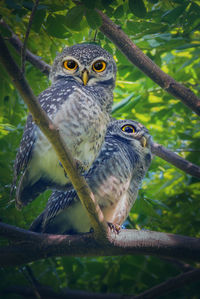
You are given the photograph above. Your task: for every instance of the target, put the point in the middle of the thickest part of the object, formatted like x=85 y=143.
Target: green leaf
x=55 y=26
x=7 y=127
x=74 y=17
x=5 y=32
x=142 y=205
x=28 y=4
x=38 y=20
x=89 y=4
x=12 y=4
x=145 y=27
x=172 y=15
x=93 y=18
x=137 y=7
x=122 y=103
x=119 y=12
x=106 y=3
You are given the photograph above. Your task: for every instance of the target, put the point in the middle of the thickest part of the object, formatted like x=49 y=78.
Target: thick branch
x=23 y=53
x=146 y=65
x=170 y=285
x=32 y=58
x=175 y=160
x=52 y=133
x=29 y=246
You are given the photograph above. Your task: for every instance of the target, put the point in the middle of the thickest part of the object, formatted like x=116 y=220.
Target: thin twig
x=23 y=53
x=32 y=58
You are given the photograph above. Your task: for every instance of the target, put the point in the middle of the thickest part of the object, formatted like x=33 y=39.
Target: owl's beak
x=85 y=76
x=143 y=141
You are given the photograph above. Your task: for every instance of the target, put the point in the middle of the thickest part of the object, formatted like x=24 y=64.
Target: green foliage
x=93 y=19
x=74 y=17
x=167 y=31
x=137 y=7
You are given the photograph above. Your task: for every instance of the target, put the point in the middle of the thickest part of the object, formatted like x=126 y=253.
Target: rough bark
x=28 y=246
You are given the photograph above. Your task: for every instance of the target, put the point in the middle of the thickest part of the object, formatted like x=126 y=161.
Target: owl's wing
x=24 y=153
x=106 y=155
x=57 y=202
x=25 y=149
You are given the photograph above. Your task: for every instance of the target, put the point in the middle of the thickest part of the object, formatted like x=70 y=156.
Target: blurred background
x=166 y=31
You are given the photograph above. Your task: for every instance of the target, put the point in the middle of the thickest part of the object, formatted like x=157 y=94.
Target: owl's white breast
x=45 y=159
x=82 y=124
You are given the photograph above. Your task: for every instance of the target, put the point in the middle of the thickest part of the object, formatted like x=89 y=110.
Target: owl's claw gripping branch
x=116 y=228
x=79 y=166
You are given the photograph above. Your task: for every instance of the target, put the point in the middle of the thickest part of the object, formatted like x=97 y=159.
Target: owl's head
x=88 y=64
x=132 y=133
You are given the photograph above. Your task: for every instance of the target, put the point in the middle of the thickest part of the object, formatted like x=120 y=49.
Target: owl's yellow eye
x=99 y=66
x=70 y=65
x=128 y=129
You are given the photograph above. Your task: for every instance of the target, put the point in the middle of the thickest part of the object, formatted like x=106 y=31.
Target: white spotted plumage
x=114 y=178
x=81 y=112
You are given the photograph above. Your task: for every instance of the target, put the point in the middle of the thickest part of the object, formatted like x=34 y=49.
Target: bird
x=114 y=178
x=79 y=103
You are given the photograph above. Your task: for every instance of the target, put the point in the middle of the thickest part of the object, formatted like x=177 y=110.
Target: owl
x=114 y=178
x=79 y=103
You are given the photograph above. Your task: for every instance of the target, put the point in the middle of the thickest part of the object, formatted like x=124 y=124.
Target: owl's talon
x=114 y=227
x=63 y=169
x=80 y=167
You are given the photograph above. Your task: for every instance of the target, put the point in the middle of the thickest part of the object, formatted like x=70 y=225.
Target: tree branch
x=32 y=58
x=52 y=133
x=146 y=65
x=28 y=246
x=23 y=53
x=175 y=160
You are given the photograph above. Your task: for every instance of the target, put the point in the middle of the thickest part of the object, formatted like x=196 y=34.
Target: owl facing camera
x=79 y=104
